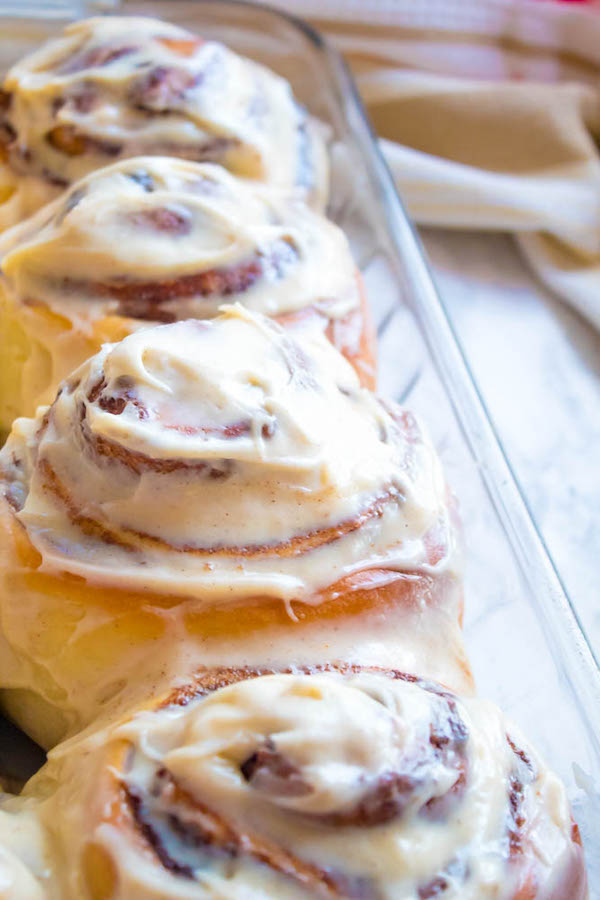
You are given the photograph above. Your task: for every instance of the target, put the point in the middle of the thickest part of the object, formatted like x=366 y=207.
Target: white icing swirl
x=323 y=744
x=24 y=864
x=366 y=785
x=115 y=87
x=163 y=239
x=227 y=458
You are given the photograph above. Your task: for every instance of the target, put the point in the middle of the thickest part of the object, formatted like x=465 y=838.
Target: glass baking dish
x=526 y=646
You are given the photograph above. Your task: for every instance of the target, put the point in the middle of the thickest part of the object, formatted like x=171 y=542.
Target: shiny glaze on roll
x=116 y=87
x=351 y=785
x=155 y=239
x=161 y=239
x=226 y=458
x=217 y=491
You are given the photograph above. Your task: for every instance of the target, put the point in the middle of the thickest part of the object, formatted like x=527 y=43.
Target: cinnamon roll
x=156 y=239
x=115 y=87
x=361 y=784
x=217 y=491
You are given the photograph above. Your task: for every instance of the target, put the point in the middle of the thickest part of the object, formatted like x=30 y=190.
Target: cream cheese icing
x=356 y=785
x=156 y=239
x=227 y=458
x=217 y=491
x=24 y=862
x=161 y=239
x=115 y=87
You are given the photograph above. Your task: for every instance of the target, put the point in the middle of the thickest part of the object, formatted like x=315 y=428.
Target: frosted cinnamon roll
x=358 y=785
x=218 y=491
x=116 y=87
x=155 y=239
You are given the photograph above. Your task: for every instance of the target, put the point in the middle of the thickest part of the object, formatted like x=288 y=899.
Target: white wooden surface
x=537 y=365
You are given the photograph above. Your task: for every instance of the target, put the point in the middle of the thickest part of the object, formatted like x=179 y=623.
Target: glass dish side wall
x=527 y=650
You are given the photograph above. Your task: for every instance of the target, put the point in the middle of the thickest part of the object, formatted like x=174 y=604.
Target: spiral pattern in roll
x=154 y=239
x=217 y=490
x=356 y=784
x=116 y=87
x=226 y=457
x=161 y=239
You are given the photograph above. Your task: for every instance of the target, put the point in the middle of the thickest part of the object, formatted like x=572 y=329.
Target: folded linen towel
x=489 y=115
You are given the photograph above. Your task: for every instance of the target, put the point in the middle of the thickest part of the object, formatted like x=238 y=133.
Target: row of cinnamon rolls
x=230 y=573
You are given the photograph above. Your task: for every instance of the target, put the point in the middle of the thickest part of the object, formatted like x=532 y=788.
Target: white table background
x=537 y=365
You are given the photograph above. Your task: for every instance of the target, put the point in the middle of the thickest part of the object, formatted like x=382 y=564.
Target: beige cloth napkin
x=500 y=133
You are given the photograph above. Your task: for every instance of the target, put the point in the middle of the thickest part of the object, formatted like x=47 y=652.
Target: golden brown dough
x=218 y=491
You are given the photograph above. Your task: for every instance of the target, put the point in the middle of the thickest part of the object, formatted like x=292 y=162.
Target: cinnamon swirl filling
x=228 y=457
x=322 y=784
x=160 y=239
x=118 y=87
